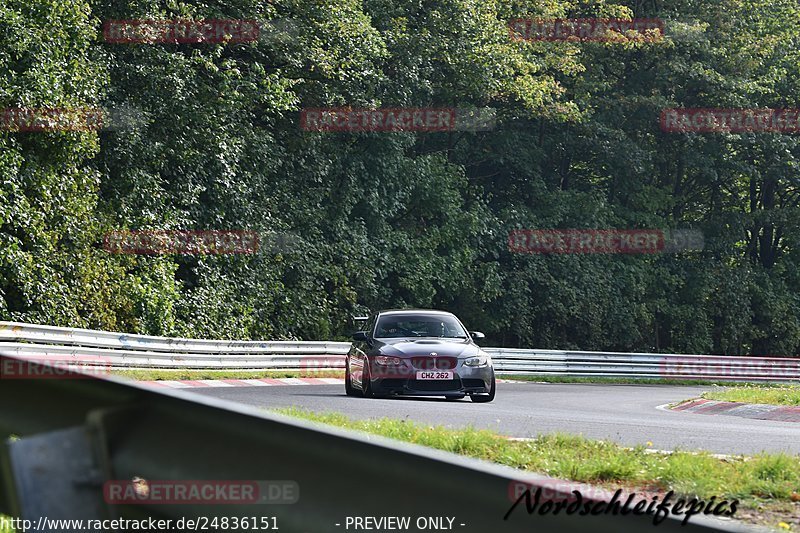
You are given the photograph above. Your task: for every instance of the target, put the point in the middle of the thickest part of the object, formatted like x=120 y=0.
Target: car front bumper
x=466 y=380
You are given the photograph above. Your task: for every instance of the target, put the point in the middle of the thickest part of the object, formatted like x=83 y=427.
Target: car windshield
x=393 y=326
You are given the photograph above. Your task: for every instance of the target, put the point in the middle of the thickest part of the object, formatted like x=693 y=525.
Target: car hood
x=417 y=347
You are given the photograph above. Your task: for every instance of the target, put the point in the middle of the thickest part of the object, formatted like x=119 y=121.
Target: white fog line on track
x=214 y=383
x=292 y=381
x=722 y=456
x=255 y=382
x=175 y=384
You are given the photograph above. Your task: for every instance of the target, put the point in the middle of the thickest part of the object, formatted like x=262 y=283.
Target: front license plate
x=435 y=374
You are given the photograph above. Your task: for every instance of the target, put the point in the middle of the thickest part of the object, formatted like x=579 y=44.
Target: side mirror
x=360 y=336
x=477 y=335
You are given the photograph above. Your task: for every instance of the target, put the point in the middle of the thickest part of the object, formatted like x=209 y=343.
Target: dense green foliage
x=406 y=219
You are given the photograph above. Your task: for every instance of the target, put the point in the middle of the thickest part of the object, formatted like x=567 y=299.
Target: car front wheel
x=348 y=385
x=366 y=381
x=485 y=398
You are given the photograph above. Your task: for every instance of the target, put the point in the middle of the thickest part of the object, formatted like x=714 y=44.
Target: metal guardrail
x=74 y=436
x=644 y=365
x=120 y=350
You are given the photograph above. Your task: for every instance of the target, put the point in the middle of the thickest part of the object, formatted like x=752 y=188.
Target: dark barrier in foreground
x=101 y=448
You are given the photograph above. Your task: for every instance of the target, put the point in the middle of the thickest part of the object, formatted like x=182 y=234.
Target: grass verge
x=767 y=484
x=781 y=395
x=164 y=374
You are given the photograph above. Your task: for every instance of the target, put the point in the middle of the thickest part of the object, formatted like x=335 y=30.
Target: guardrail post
x=54 y=475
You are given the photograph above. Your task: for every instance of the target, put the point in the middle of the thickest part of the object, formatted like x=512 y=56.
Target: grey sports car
x=418 y=352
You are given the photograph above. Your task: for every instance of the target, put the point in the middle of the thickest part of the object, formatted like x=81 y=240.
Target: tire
x=348 y=385
x=366 y=383
x=485 y=398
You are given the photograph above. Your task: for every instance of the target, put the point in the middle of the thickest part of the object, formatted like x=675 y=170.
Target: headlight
x=477 y=361
x=388 y=361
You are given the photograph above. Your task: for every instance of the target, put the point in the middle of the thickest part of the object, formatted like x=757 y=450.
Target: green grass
x=160 y=375
x=758 y=478
x=780 y=395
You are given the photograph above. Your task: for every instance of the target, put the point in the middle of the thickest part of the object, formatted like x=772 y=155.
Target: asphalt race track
x=627 y=414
